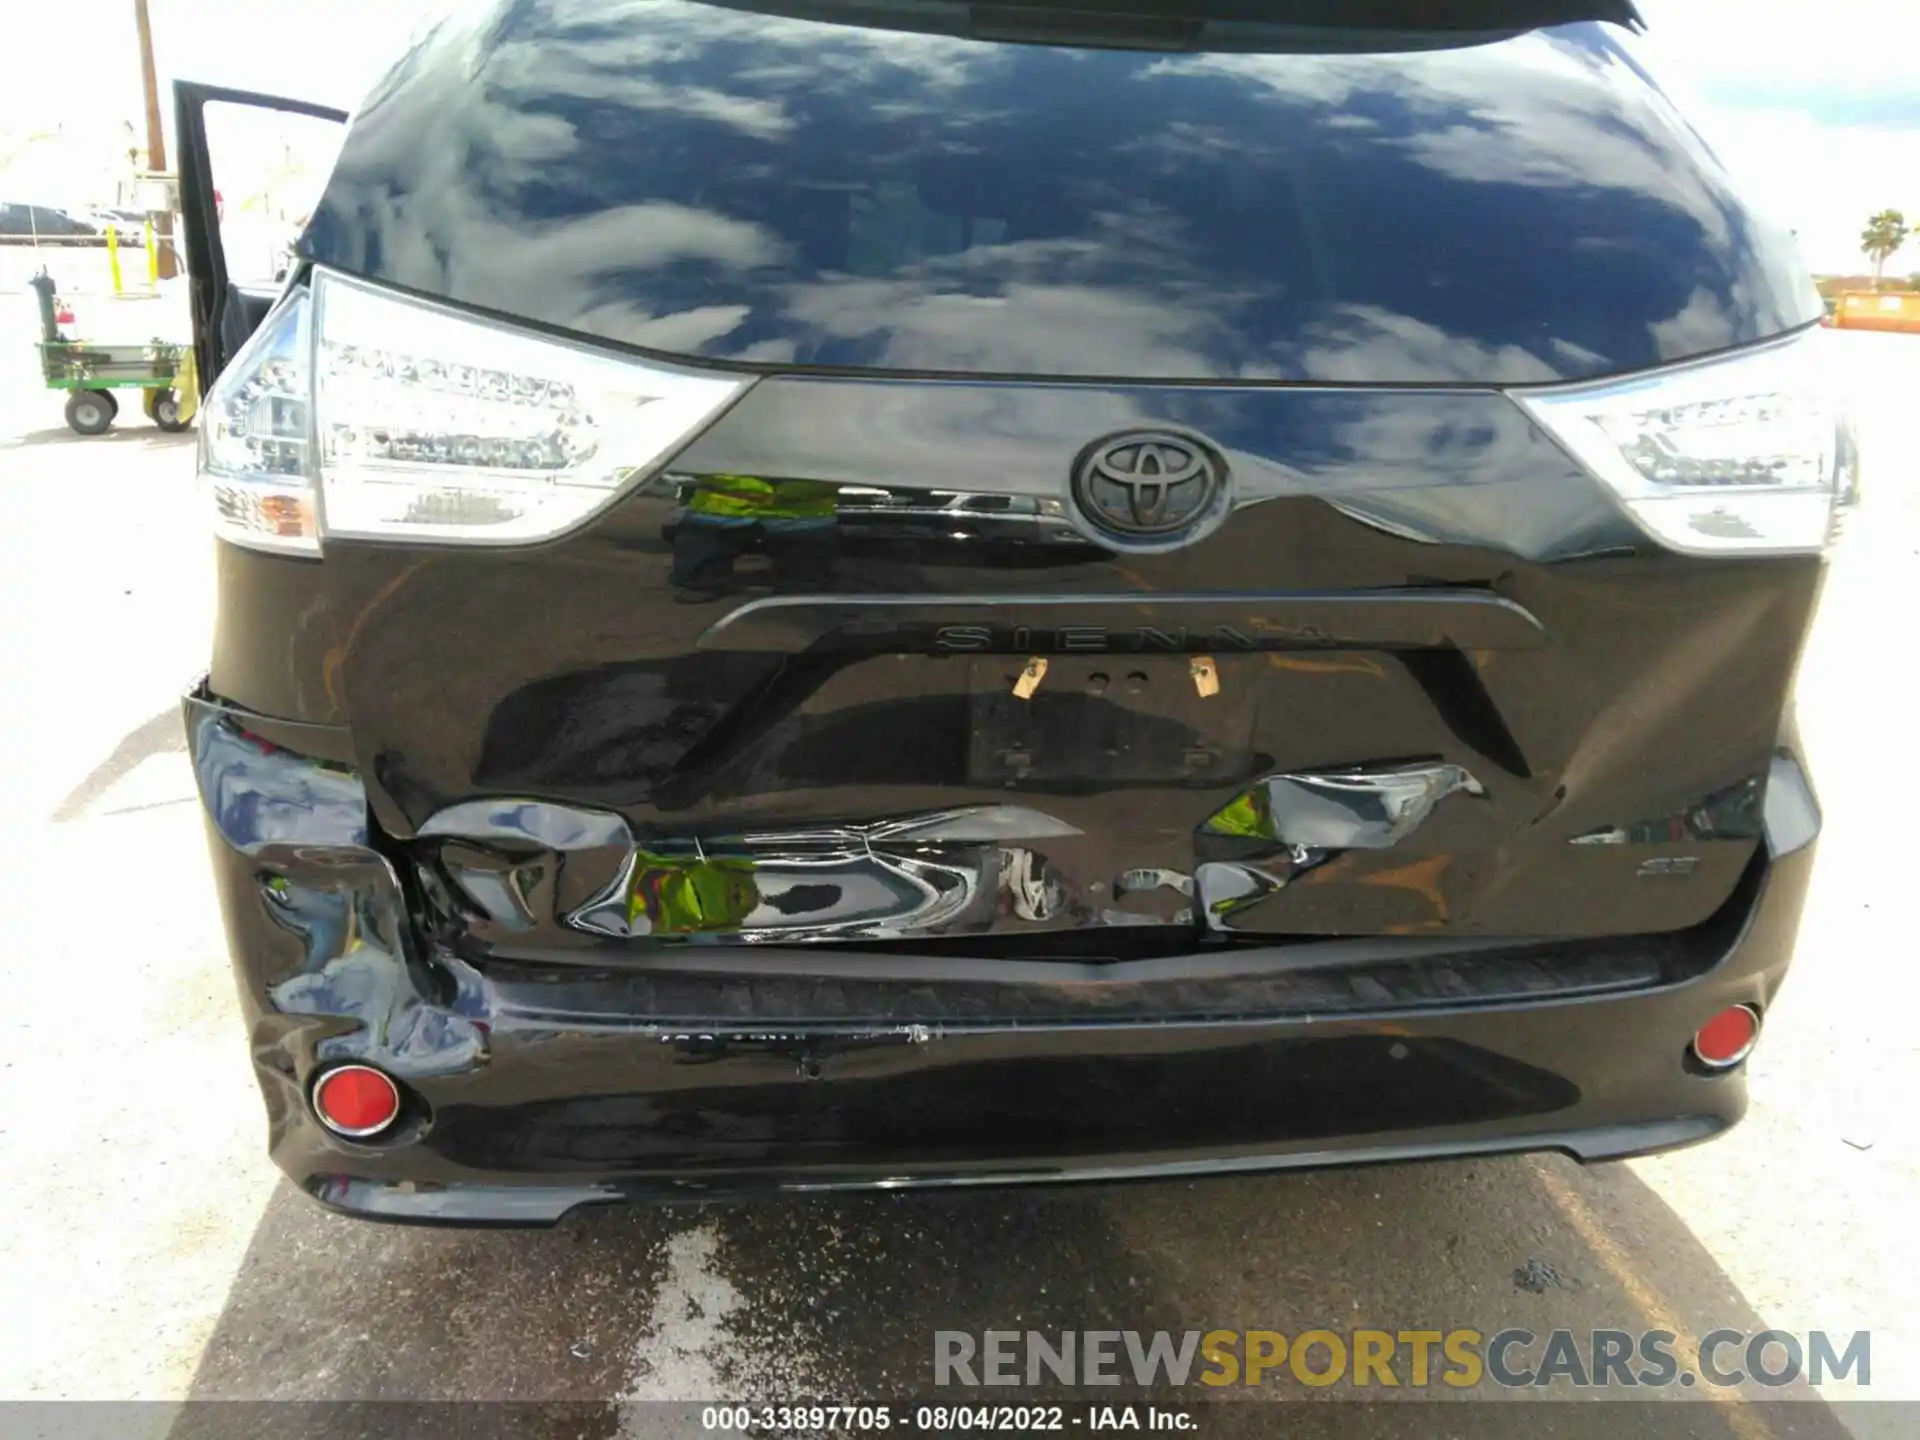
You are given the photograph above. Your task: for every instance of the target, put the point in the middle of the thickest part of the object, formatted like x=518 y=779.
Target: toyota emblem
x=1146 y=484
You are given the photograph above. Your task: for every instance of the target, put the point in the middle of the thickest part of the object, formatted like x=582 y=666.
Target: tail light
x=354 y=411
x=1747 y=454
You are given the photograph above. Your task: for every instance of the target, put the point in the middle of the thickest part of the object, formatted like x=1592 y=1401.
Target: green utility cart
x=162 y=372
x=91 y=373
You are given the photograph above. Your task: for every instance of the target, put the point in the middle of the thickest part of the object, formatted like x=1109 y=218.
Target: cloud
x=1362 y=342
x=1816 y=135
x=1816 y=116
x=1526 y=111
x=1823 y=181
x=1032 y=325
x=1704 y=323
x=1755 y=47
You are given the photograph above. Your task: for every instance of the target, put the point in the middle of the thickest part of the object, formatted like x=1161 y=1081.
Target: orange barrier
x=1868 y=310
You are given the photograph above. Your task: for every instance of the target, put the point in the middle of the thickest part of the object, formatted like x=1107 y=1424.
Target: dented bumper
x=537 y=1079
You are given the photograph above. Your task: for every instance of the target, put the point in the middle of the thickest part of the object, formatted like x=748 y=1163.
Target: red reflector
x=356 y=1100
x=1728 y=1037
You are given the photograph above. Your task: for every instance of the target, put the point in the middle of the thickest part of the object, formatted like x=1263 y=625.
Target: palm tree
x=1885 y=233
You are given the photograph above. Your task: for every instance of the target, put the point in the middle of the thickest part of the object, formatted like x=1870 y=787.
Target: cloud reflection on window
x=711 y=181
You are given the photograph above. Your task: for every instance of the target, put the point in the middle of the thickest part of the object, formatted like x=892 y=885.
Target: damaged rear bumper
x=534 y=1084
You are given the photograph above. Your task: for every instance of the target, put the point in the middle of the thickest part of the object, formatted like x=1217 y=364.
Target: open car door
x=228 y=299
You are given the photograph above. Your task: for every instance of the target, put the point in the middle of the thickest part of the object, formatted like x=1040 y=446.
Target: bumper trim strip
x=526 y=1205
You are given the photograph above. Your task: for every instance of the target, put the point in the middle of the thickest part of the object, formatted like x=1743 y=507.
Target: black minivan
x=823 y=593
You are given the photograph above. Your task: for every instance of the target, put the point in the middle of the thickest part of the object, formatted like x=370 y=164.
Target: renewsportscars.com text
x=1383 y=1359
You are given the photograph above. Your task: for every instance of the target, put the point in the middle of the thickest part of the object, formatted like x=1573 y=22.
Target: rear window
x=714 y=180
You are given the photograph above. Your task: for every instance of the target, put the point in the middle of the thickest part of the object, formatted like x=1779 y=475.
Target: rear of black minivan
x=849 y=592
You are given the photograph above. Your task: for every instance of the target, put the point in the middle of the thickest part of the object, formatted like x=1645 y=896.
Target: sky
x=1814 y=107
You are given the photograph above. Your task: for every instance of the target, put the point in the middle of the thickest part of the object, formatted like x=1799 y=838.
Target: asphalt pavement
x=148 y=1250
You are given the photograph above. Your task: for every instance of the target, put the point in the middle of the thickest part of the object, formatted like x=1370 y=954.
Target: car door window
x=251 y=168
x=269 y=167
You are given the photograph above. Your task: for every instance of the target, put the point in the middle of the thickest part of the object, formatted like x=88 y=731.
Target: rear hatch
x=1117 y=532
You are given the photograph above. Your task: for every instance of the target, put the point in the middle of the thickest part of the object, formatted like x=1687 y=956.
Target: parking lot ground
x=148 y=1252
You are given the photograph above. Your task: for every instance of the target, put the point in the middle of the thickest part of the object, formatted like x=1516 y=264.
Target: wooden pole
x=156 y=135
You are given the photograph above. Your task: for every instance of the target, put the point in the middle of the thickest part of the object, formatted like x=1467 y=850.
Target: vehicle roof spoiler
x=1223 y=25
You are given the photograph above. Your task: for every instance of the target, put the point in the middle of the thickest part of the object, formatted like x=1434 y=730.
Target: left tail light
x=1748 y=453
x=353 y=411
x=256 y=436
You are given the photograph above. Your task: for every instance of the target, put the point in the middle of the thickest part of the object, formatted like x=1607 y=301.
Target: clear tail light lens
x=435 y=425
x=255 y=451
x=1751 y=453
x=358 y=412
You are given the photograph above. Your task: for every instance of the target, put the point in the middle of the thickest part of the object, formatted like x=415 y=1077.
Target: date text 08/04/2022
x=875 y=1419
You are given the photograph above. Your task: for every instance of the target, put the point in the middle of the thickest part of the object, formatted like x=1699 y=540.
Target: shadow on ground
x=838 y=1299
x=157 y=735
